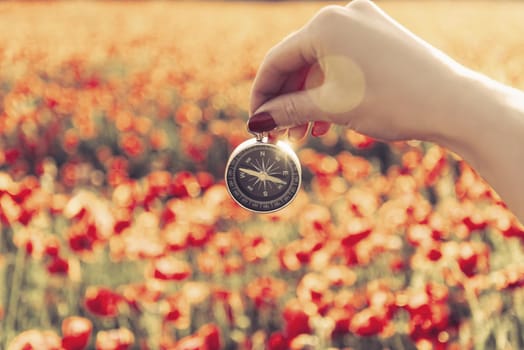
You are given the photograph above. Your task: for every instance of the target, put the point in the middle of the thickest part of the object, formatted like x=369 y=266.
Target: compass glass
x=263 y=177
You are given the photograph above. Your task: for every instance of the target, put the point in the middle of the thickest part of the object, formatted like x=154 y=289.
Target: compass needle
x=276 y=180
x=251 y=172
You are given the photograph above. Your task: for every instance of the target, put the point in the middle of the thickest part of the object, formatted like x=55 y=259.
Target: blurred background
x=116 y=230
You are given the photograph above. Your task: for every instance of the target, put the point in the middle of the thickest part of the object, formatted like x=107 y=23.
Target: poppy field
x=117 y=231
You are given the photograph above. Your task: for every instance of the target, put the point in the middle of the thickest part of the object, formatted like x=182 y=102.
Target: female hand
x=366 y=71
x=363 y=70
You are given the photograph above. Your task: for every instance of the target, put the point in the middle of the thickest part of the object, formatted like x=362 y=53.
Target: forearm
x=485 y=125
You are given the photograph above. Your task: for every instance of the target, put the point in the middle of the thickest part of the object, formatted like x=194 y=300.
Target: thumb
x=286 y=111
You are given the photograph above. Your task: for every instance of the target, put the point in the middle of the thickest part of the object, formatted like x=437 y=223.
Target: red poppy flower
x=121 y=225
x=470 y=185
x=159 y=182
x=234 y=264
x=199 y=235
x=367 y=323
x=265 y=290
x=475 y=221
x=429 y=324
x=173 y=315
x=428 y=309
x=381 y=300
x=224 y=242
x=205 y=180
x=342 y=317
x=357 y=229
x=141 y=293
x=25 y=216
x=185 y=184
x=83 y=237
x=176 y=310
x=211 y=335
x=191 y=342
x=170 y=268
x=256 y=248
x=35 y=340
x=320 y=164
x=313 y=287
x=114 y=339
x=102 y=301
x=434 y=254
x=472 y=258
x=9 y=210
x=340 y=275
x=132 y=144
x=397 y=264
x=515 y=229
x=158 y=139
x=58 y=266
x=434 y=163
x=509 y=278
x=52 y=246
x=359 y=140
x=411 y=160
x=305 y=248
x=353 y=167
x=419 y=235
x=296 y=320
x=117 y=171
x=277 y=341
x=29 y=247
x=70 y=141
x=168 y=216
x=69 y=174
x=11 y=155
x=76 y=332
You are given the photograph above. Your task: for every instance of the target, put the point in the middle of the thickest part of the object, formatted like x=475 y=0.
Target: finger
x=298 y=132
x=276 y=134
x=295 y=82
x=290 y=55
x=320 y=128
x=288 y=110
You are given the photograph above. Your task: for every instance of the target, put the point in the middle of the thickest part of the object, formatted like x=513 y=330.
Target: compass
x=263 y=176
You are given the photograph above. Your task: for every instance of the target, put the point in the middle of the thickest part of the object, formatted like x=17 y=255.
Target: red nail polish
x=261 y=122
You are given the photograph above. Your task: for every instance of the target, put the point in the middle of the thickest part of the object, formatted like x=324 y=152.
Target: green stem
x=14 y=295
x=398 y=343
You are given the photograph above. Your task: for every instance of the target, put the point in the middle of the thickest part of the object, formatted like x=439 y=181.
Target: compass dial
x=263 y=177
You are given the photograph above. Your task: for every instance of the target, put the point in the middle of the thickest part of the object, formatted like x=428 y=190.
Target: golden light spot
x=343 y=87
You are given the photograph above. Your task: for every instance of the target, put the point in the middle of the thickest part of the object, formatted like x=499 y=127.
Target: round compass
x=263 y=177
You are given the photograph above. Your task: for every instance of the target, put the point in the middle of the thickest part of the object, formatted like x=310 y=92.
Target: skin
x=354 y=65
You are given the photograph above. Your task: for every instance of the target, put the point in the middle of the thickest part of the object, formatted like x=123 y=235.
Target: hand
x=354 y=66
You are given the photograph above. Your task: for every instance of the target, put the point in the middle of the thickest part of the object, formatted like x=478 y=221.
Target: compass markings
x=267 y=180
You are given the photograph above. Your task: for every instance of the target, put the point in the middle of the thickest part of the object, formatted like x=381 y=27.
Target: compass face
x=263 y=177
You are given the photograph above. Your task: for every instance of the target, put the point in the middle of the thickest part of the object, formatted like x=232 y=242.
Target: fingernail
x=261 y=122
x=315 y=132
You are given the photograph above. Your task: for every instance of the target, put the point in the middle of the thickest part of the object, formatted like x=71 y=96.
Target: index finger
x=290 y=55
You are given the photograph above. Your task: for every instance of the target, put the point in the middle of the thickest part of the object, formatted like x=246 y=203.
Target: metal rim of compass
x=279 y=146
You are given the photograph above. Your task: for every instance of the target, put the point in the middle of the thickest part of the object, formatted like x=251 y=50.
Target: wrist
x=479 y=118
x=485 y=126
